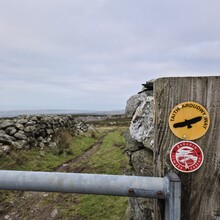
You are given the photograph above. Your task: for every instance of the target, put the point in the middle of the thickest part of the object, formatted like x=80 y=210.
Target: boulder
x=29 y=128
x=30 y=123
x=6 y=139
x=49 y=131
x=54 y=213
x=19 y=126
x=142 y=128
x=11 y=130
x=20 y=144
x=132 y=104
x=139 y=147
x=6 y=123
x=6 y=149
x=132 y=145
x=140 y=209
x=20 y=136
x=2 y=132
x=142 y=162
x=22 y=121
x=41 y=145
x=52 y=144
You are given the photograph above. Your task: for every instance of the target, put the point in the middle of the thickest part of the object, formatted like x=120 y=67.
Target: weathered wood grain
x=200 y=189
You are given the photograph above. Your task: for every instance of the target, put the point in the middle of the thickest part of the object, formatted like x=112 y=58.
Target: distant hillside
x=13 y=113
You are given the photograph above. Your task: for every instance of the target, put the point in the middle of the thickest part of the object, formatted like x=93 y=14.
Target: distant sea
x=14 y=113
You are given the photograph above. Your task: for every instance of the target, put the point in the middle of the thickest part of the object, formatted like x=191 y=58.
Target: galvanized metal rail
x=167 y=188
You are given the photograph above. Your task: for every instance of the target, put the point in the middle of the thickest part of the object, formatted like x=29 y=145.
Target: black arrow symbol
x=188 y=123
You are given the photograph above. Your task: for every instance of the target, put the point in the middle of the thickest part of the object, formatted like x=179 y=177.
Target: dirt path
x=40 y=205
x=80 y=162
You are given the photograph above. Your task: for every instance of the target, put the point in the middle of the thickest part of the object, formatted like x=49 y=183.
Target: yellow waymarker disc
x=189 y=120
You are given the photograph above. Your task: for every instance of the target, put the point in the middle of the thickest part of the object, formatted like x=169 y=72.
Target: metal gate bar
x=167 y=188
x=173 y=198
x=82 y=183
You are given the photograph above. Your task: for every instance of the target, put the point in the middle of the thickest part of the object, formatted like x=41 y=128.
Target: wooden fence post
x=200 y=189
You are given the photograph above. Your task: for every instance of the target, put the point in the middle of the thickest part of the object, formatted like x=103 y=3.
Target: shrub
x=63 y=140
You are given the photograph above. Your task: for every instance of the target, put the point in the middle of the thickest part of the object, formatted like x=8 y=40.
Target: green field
x=94 y=152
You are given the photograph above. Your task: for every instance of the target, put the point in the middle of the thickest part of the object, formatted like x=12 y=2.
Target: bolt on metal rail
x=168 y=188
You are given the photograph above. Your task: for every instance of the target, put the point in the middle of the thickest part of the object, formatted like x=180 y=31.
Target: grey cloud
x=95 y=54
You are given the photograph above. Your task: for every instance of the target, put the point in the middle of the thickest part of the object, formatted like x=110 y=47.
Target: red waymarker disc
x=186 y=156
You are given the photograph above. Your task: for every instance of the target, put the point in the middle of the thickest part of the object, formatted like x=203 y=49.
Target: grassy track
x=101 y=152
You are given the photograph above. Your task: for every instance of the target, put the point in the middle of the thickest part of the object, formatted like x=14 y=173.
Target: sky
x=95 y=54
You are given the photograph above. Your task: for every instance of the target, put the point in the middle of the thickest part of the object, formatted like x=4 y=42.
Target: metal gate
x=167 y=188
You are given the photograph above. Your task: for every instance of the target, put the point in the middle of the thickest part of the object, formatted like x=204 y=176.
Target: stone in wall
x=24 y=132
x=132 y=104
x=142 y=128
x=139 y=147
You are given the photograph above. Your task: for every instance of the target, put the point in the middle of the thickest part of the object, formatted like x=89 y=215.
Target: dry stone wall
x=24 y=132
x=139 y=147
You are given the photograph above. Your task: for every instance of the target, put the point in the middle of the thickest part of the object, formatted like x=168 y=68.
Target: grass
x=48 y=158
x=109 y=158
x=101 y=207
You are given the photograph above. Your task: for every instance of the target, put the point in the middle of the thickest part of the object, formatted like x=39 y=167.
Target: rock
x=52 y=145
x=142 y=162
x=54 y=213
x=131 y=144
x=40 y=139
x=29 y=128
x=142 y=128
x=6 y=148
x=132 y=104
x=20 y=136
x=7 y=217
x=19 y=126
x=22 y=121
x=34 y=131
x=34 y=119
x=2 y=132
x=140 y=209
x=6 y=123
x=49 y=131
x=31 y=123
x=20 y=144
x=6 y=139
x=11 y=130
x=41 y=145
x=139 y=147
